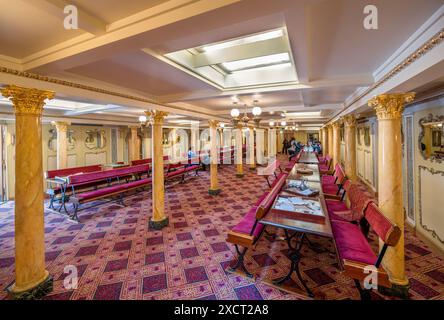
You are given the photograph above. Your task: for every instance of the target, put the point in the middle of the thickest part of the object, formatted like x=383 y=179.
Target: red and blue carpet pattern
x=118 y=257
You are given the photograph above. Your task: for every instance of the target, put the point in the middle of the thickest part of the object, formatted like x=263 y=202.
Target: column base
x=396 y=290
x=159 y=225
x=34 y=293
x=214 y=192
x=239 y=175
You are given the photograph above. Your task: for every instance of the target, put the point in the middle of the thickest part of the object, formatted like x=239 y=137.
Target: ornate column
x=31 y=278
x=266 y=147
x=323 y=141
x=214 y=185
x=330 y=139
x=133 y=151
x=159 y=219
x=250 y=153
x=238 y=152
x=336 y=142
x=272 y=143
x=62 y=144
x=389 y=108
x=350 y=146
x=195 y=138
x=260 y=146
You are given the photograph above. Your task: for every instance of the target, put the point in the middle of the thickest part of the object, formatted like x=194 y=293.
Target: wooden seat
x=248 y=231
x=355 y=253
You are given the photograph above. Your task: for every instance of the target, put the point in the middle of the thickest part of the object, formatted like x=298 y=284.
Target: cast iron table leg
x=295 y=257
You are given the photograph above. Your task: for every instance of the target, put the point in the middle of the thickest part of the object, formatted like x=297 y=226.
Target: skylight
x=263 y=61
x=250 y=39
x=259 y=59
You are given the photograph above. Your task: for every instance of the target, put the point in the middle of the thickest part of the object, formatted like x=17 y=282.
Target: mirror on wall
x=52 y=141
x=431 y=138
x=95 y=139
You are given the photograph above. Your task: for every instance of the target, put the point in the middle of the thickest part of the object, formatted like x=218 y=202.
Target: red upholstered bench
x=291 y=163
x=270 y=170
x=248 y=231
x=55 y=190
x=76 y=183
x=332 y=184
x=180 y=170
x=324 y=167
x=114 y=190
x=355 y=253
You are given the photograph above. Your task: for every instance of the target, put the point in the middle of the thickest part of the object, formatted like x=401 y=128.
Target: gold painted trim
x=426 y=47
x=433 y=172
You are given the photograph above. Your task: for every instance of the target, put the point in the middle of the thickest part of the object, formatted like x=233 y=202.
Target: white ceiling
x=332 y=52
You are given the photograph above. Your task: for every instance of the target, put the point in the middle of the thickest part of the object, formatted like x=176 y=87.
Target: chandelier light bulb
x=235 y=113
x=271 y=123
x=142 y=118
x=257 y=111
x=283 y=123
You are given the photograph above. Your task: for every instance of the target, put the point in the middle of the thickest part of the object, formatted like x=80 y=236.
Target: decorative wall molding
x=425 y=227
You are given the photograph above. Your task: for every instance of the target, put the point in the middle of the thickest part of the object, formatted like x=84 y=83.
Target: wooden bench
x=355 y=253
x=324 y=167
x=291 y=163
x=57 y=191
x=175 y=170
x=332 y=184
x=166 y=159
x=270 y=170
x=248 y=231
x=79 y=197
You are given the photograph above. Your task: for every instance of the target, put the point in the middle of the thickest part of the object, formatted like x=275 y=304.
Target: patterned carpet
x=117 y=257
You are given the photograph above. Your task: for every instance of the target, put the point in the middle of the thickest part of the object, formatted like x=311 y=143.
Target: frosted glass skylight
x=250 y=39
x=257 y=62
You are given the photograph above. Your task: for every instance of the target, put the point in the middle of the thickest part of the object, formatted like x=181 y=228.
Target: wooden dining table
x=297 y=230
x=308 y=157
x=295 y=175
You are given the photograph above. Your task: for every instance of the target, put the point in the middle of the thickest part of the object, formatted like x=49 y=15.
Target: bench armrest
x=242 y=239
x=355 y=270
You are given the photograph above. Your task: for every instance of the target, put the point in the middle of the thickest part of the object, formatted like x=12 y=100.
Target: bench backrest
x=269 y=169
x=267 y=203
x=339 y=174
x=388 y=232
x=69 y=171
x=108 y=174
x=141 y=161
x=148 y=161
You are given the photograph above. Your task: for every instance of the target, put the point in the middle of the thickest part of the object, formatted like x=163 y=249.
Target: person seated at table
x=294 y=149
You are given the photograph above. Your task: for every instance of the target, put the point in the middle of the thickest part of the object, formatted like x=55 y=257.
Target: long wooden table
x=295 y=228
x=295 y=175
x=308 y=157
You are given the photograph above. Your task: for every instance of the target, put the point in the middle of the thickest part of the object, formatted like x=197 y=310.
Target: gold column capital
x=61 y=126
x=239 y=126
x=390 y=106
x=27 y=100
x=158 y=116
x=213 y=123
x=349 y=120
x=337 y=124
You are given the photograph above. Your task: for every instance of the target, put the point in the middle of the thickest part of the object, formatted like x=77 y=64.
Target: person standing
x=285 y=146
